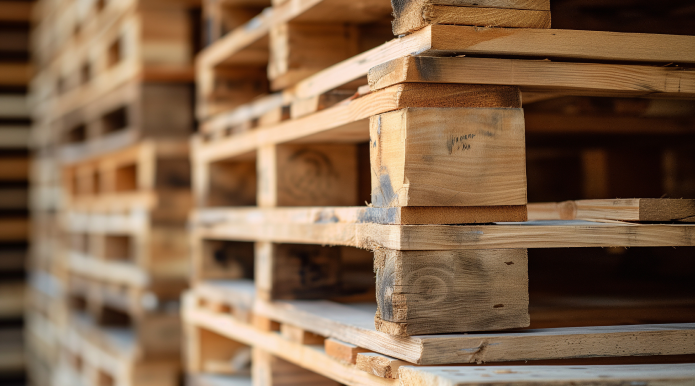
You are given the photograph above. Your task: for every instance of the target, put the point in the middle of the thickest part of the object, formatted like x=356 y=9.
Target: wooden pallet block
x=132 y=113
x=410 y=16
x=232 y=333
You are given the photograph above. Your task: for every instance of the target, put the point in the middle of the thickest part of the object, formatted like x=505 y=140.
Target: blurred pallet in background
x=113 y=105
x=451 y=123
x=15 y=167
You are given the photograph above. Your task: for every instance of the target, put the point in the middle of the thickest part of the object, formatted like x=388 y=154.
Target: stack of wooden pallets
x=14 y=187
x=303 y=123
x=113 y=105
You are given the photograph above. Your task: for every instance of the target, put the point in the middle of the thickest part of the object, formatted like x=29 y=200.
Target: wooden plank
x=637 y=209
x=342 y=351
x=355 y=325
x=427 y=292
x=540 y=76
x=298 y=335
x=481 y=151
x=502 y=42
x=429 y=14
x=672 y=374
x=217 y=380
x=380 y=365
x=14 y=229
x=14 y=106
x=14 y=136
x=346 y=229
x=12 y=299
x=307 y=357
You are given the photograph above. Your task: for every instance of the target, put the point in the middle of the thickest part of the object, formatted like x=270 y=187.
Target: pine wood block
x=428 y=14
x=448 y=157
x=264 y=324
x=380 y=365
x=344 y=352
x=307 y=175
x=298 y=50
x=298 y=335
x=426 y=292
x=636 y=209
x=294 y=271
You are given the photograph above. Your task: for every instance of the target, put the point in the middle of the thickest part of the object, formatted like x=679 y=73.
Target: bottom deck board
x=315 y=359
x=354 y=324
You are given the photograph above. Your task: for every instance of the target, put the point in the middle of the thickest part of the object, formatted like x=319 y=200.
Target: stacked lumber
x=14 y=185
x=112 y=106
x=296 y=281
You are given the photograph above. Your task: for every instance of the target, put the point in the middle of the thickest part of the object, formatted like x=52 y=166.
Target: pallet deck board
x=298 y=225
x=354 y=324
x=637 y=209
x=565 y=78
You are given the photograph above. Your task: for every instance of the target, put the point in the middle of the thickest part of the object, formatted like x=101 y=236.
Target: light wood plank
x=355 y=325
x=259 y=225
x=540 y=76
x=343 y=351
x=380 y=365
x=636 y=209
x=652 y=375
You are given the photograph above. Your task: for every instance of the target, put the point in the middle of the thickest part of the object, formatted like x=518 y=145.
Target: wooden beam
x=476 y=158
x=427 y=292
x=636 y=209
x=269 y=370
x=16 y=11
x=540 y=76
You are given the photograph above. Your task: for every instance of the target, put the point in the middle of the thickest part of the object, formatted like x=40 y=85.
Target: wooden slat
x=355 y=325
x=672 y=374
x=447 y=39
x=540 y=76
x=301 y=226
x=636 y=209
x=16 y=11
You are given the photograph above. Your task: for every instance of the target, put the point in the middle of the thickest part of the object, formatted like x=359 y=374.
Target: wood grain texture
x=355 y=325
x=380 y=365
x=430 y=14
x=648 y=375
x=637 y=209
x=342 y=351
x=536 y=76
x=340 y=226
x=448 y=157
x=428 y=292
x=449 y=40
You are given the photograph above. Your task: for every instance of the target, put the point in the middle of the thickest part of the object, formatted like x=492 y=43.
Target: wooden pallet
x=108 y=356
x=282 y=45
x=223 y=322
x=130 y=114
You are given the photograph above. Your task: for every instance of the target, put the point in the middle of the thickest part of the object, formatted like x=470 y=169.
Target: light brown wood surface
x=637 y=209
x=536 y=75
x=476 y=157
x=295 y=227
x=430 y=14
x=355 y=325
x=428 y=292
